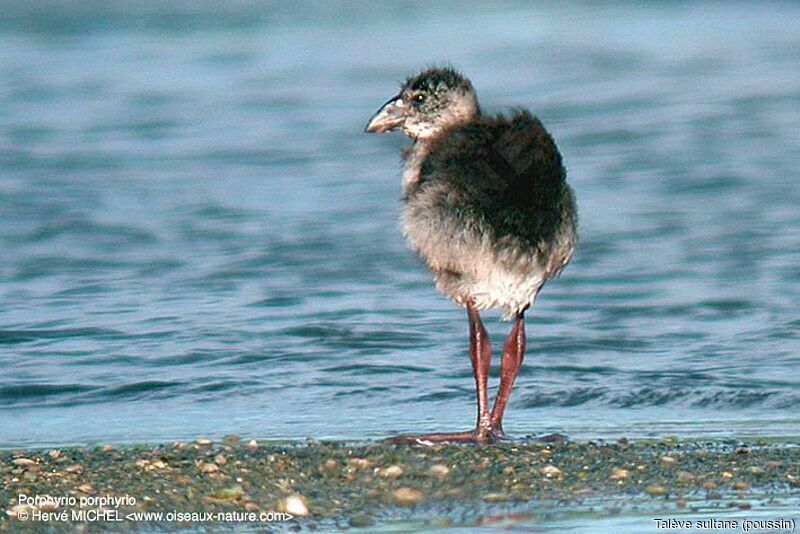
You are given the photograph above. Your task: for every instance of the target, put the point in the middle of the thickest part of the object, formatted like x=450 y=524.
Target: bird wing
x=505 y=176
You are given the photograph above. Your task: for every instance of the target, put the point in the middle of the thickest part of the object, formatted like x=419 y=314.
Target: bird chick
x=488 y=208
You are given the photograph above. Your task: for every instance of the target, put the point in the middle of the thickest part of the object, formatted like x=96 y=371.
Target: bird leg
x=513 y=352
x=480 y=354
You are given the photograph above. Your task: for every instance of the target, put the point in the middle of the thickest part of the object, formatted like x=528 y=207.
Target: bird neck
x=465 y=112
x=414 y=157
x=461 y=111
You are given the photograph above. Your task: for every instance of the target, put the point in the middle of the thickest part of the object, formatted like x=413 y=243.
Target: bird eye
x=419 y=98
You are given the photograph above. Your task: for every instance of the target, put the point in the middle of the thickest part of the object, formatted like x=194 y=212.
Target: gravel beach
x=214 y=485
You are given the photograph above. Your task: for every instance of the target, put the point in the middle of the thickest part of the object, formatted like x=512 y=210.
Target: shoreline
x=211 y=484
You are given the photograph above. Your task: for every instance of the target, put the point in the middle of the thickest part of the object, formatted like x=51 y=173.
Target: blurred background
x=197 y=239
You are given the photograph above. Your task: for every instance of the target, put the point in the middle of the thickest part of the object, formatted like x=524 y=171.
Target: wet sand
x=257 y=486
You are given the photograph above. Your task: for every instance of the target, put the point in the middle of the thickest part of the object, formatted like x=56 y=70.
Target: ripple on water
x=197 y=238
x=24 y=336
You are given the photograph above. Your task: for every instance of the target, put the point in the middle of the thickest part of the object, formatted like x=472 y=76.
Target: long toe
x=470 y=436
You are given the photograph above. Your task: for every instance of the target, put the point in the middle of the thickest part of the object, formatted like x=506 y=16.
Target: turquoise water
x=197 y=239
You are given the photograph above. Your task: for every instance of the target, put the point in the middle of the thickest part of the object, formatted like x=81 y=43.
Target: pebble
x=296 y=505
x=393 y=471
x=754 y=469
x=54 y=454
x=359 y=463
x=105 y=448
x=739 y=485
x=726 y=474
x=209 y=468
x=619 y=474
x=74 y=468
x=232 y=439
x=252 y=444
x=151 y=465
x=495 y=497
x=685 y=476
x=550 y=471
x=251 y=506
x=709 y=485
x=85 y=488
x=668 y=460
x=655 y=490
x=48 y=506
x=23 y=462
x=233 y=493
x=330 y=464
x=406 y=496
x=439 y=470
x=203 y=442
x=220 y=459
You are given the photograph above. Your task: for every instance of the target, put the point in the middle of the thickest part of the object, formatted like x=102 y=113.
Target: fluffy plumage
x=491 y=212
x=487 y=205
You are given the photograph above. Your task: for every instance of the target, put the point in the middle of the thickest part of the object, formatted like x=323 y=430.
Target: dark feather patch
x=437 y=78
x=505 y=173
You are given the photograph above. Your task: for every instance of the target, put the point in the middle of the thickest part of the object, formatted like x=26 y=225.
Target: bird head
x=427 y=104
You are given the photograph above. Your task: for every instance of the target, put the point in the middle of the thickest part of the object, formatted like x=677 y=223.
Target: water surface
x=197 y=239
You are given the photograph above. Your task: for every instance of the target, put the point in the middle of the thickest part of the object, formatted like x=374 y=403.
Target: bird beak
x=389 y=117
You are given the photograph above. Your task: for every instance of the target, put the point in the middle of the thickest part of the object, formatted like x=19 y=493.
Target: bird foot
x=470 y=436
